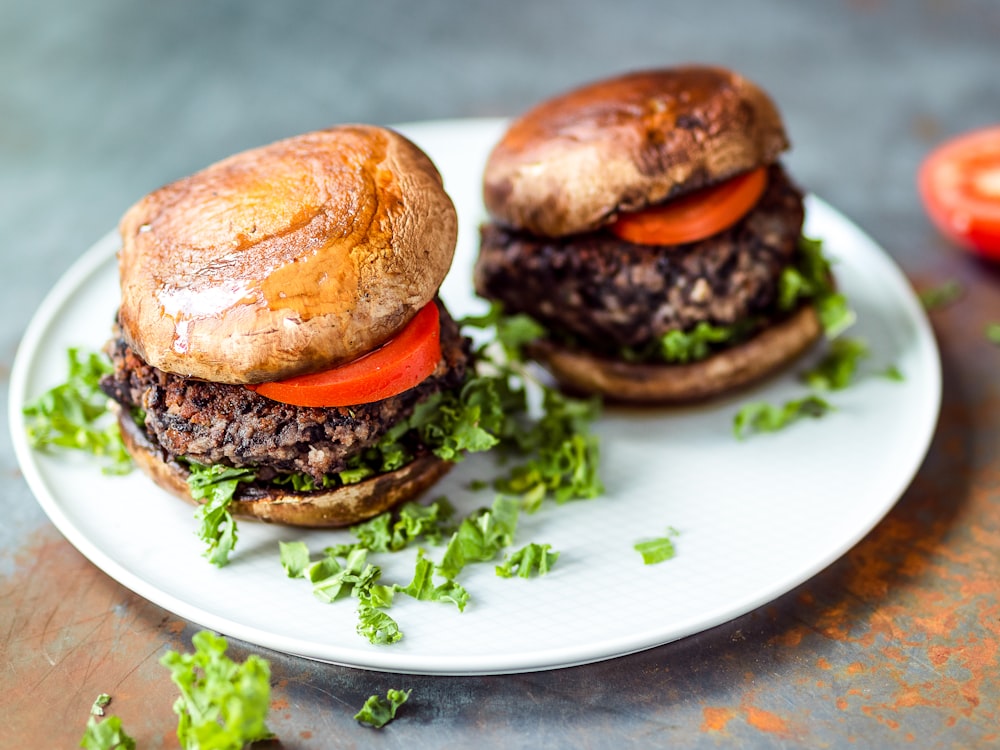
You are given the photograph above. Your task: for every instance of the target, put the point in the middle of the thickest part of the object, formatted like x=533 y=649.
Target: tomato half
x=696 y=216
x=401 y=363
x=959 y=183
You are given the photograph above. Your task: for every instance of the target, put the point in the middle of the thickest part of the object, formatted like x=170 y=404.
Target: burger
x=280 y=324
x=646 y=224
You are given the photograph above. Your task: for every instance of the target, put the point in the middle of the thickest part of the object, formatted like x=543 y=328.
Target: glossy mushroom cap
x=573 y=162
x=285 y=259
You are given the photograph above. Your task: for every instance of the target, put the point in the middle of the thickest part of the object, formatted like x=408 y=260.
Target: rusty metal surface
x=895 y=644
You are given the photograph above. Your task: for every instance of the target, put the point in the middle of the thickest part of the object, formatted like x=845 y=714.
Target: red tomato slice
x=960 y=186
x=695 y=216
x=398 y=365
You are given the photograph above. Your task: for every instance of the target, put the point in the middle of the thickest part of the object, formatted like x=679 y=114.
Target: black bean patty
x=220 y=423
x=607 y=293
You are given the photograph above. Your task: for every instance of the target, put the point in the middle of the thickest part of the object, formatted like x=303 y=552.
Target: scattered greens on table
x=941 y=295
x=106 y=734
x=222 y=705
x=378 y=711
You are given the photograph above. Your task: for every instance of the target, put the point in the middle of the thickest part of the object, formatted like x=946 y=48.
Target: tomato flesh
x=403 y=362
x=696 y=216
x=959 y=183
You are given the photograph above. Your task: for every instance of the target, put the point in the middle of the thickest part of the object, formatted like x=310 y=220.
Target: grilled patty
x=607 y=293
x=214 y=423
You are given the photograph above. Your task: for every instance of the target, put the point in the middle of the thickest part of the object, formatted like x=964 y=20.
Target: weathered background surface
x=894 y=644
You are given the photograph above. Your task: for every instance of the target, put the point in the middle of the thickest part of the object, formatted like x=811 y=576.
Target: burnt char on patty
x=214 y=423
x=608 y=293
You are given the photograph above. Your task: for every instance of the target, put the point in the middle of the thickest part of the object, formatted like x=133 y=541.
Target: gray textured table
x=894 y=644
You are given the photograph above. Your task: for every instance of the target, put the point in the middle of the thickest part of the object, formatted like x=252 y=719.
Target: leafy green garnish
x=532 y=559
x=223 y=705
x=216 y=485
x=356 y=576
x=512 y=332
x=396 y=529
x=452 y=425
x=481 y=536
x=377 y=712
x=893 y=373
x=761 y=416
x=564 y=455
x=811 y=278
x=334 y=579
x=837 y=369
x=294 y=558
x=993 y=333
x=696 y=344
x=422 y=586
x=75 y=414
x=378 y=627
x=941 y=295
x=835 y=314
x=107 y=734
x=658 y=549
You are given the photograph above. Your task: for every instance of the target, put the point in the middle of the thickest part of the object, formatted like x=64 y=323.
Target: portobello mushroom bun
x=280 y=322
x=646 y=223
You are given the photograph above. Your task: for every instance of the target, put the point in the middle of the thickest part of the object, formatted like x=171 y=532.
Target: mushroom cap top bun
x=571 y=163
x=285 y=259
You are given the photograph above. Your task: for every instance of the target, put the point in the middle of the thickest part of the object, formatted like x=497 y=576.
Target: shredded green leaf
x=223 y=705
x=532 y=559
x=294 y=558
x=331 y=580
x=480 y=536
x=564 y=456
x=422 y=586
x=378 y=627
x=941 y=295
x=893 y=373
x=400 y=527
x=993 y=333
x=377 y=712
x=100 y=703
x=658 y=549
x=838 y=368
x=216 y=485
x=107 y=734
x=761 y=416
x=511 y=331
x=696 y=344
x=835 y=314
x=812 y=278
x=75 y=415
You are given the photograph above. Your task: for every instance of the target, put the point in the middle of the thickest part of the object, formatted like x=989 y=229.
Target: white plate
x=755 y=517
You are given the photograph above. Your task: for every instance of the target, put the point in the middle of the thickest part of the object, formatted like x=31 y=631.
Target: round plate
x=754 y=517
